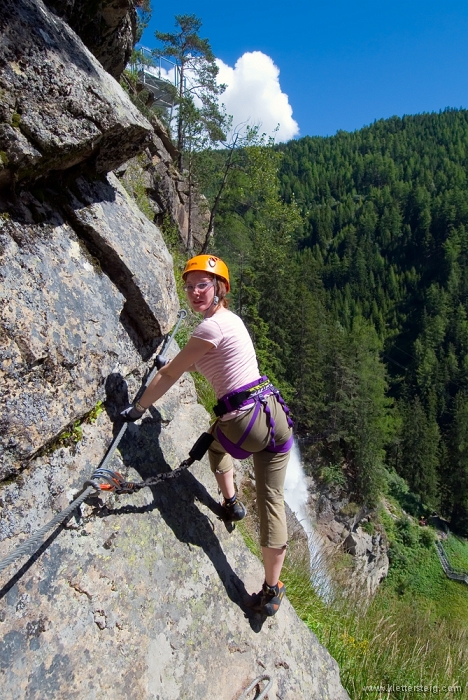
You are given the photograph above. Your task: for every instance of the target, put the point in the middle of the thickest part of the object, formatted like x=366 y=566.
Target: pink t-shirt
x=232 y=362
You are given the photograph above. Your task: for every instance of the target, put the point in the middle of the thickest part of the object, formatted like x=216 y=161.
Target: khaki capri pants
x=270 y=467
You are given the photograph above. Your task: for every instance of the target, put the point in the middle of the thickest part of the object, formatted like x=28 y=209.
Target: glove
x=131 y=414
x=161 y=361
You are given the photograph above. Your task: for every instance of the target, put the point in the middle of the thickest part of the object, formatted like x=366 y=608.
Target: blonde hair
x=221 y=291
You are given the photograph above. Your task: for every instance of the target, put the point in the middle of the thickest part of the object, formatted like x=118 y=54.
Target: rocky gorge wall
x=136 y=596
x=340 y=525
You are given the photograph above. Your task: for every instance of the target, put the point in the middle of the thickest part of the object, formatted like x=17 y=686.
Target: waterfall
x=295 y=495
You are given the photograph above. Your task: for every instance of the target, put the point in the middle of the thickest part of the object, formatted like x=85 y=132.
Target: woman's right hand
x=131 y=414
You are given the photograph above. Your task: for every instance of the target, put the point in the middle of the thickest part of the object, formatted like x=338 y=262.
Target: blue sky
x=342 y=64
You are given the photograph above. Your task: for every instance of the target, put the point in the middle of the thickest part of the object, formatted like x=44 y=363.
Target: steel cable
x=265 y=677
x=34 y=542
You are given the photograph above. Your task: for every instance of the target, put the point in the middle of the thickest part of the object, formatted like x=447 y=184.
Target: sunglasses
x=200 y=287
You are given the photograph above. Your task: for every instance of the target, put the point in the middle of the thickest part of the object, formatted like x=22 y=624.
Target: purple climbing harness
x=255 y=394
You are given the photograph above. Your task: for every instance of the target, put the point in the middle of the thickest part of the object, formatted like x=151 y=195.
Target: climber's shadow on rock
x=174 y=498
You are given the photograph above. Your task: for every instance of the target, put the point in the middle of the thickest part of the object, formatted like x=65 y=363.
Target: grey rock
x=130 y=248
x=61 y=106
x=159 y=612
x=107 y=28
x=19 y=152
x=339 y=524
x=370 y=560
x=66 y=322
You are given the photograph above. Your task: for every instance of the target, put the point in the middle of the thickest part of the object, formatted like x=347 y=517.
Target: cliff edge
x=134 y=597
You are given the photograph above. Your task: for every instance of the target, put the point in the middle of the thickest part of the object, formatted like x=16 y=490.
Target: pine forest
x=350 y=259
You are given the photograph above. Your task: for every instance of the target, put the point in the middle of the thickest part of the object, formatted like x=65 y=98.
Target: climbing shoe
x=233 y=510
x=269 y=599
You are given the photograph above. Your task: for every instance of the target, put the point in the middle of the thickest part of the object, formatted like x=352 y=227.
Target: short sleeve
x=209 y=330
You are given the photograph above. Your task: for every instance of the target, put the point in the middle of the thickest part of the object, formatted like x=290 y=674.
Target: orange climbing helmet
x=208 y=263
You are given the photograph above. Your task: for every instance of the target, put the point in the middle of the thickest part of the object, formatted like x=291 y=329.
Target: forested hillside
x=352 y=272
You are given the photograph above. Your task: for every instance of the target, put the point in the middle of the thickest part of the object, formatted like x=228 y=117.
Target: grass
x=456 y=549
x=205 y=393
x=413 y=633
x=72 y=435
x=134 y=183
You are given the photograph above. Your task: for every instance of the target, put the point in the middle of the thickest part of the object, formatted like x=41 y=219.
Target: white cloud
x=254 y=94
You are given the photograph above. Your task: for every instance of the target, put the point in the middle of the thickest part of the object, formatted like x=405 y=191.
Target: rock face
x=107 y=28
x=340 y=523
x=87 y=282
x=134 y=597
x=167 y=190
x=140 y=596
x=371 y=559
x=81 y=297
x=58 y=107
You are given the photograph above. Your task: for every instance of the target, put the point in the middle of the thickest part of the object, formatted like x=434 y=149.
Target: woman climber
x=252 y=416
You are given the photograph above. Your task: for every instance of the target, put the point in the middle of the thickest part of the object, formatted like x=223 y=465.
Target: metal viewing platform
x=158 y=75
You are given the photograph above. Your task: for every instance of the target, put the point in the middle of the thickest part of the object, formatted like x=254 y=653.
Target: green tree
x=217 y=170
x=143 y=16
x=199 y=116
x=458 y=452
x=358 y=406
x=420 y=451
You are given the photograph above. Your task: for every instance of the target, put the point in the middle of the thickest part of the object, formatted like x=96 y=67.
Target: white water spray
x=295 y=495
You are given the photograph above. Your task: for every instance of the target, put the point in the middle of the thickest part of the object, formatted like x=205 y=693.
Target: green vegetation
x=456 y=550
x=74 y=432
x=386 y=643
x=205 y=393
x=414 y=631
x=134 y=183
x=385 y=213
x=349 y=261
x=15 y=120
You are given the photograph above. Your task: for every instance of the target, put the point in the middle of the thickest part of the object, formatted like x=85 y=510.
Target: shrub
x=397 y=555
x=426 y=538
x=368 y=527
x=350 y=509
x=332 y=475
x=406 y=533
x=397 y=487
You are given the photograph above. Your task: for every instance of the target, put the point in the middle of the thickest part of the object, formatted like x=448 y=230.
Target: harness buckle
x=234 y=401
